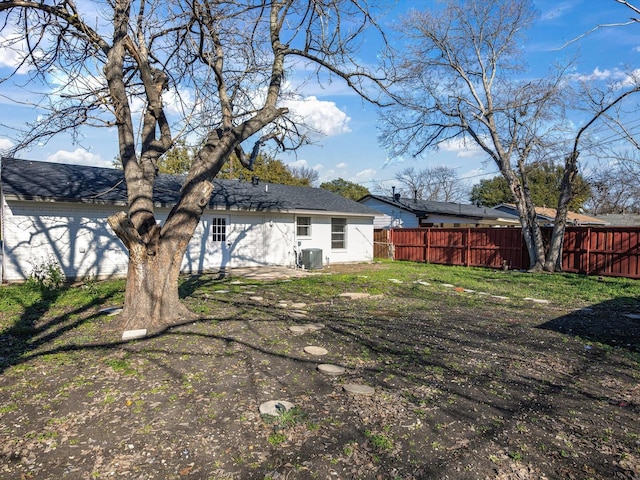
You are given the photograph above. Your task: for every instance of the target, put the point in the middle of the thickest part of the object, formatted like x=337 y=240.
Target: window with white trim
x=303 y=226
x=219 y=229
x=338 y=233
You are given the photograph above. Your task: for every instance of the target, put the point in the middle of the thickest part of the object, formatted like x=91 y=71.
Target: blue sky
x=349 y=148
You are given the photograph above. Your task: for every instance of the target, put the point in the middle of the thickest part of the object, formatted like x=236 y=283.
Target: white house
x=59 y=212
x=400 y=212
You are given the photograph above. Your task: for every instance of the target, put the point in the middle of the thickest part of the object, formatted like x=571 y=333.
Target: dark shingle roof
x=31 y=180
x=425 y=207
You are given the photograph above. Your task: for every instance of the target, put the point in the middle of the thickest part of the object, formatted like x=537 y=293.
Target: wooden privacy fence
x=612 y=251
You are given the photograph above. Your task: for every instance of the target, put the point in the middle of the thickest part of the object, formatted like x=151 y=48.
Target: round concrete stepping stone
x=298 y=305
x=358 y=389
x=298 y=314
x=448 y=285
x=275 y=407
x=256 y=299
x=313 y=350
x=331 y=370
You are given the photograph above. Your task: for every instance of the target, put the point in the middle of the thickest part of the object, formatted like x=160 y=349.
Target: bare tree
x=306 y=174
x=606 y=107
x=457 y=80
x=615 y=188
x=223 y=62
x=440 y=184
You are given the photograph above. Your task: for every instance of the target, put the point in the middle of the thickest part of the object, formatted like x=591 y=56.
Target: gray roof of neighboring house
x=548 y=215
x=425 y=207
x=621 y=219
x=33 y=180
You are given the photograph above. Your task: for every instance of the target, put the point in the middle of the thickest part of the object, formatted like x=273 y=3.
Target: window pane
x=303 y=226
x=338 y=232
x=219 y=229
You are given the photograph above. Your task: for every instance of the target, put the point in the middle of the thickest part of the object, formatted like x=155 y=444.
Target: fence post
x=588 y=251
x=467 y=240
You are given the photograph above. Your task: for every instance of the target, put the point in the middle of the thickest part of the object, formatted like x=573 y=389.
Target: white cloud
x=319 y=115
x=462 y=148
x=11 y=57
x=365 y=175
x=341 y=165
x=597 y=74
x=79 y=156
x=5 y=144
x=298 y=164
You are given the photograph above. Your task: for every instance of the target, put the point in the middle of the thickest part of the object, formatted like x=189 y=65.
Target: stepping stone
x=275 y=408
x=313 y=350
x=298 y=305
x=421 y=282
x=221 y=291
x=236 y=282
x=256 y=299
x=298 y=314
x=133 y=334
x=298 y=329
x=313 y=327
x=308 y=327
x=331 y=370
x=395 y=280
x=448 y=285
x=467 y=290
x=355 y=295
x=536 y=300
x=358 y=389
x=499 y=297
x=111 y=311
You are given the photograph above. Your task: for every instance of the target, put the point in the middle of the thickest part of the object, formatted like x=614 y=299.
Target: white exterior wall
x=359 y=239
x=394 y=216
x=79 y=238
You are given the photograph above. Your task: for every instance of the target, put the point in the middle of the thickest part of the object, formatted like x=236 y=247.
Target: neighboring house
x=546 y=216
x=621 y=219
x=59 y=212
x=401 y=212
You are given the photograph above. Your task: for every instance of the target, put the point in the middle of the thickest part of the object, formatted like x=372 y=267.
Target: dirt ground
x=465 y=387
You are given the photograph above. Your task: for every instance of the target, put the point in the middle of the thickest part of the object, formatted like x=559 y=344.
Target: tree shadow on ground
x=615 y=323
x=37 y=327
x=469 y=388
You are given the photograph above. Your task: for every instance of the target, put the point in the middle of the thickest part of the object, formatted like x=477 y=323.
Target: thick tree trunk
x=151 y=297
x=554 y=257
x=527 y=214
